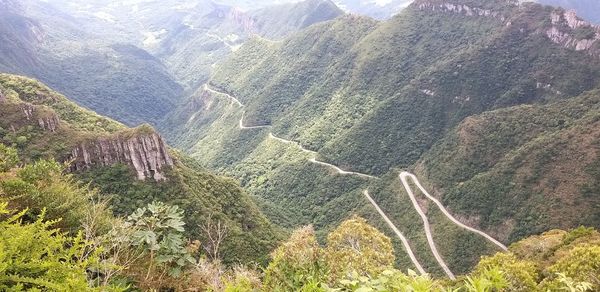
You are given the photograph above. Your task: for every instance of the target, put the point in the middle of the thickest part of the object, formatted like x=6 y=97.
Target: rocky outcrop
x=146 y=153
x=463 y=9
x=49 y=123
x=28 y=110
x=2 y=97
x=564 y=26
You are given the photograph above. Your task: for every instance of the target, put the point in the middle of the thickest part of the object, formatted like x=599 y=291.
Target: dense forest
x=443 y=145
x=59 y=234
x=494 y=113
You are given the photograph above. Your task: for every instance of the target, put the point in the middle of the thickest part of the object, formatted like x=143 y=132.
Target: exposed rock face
x=49 y=123
x=561 y=32
x=2 y=97
x=146 y=153
x=462 y=9
x=240 y=17
x=28 y=110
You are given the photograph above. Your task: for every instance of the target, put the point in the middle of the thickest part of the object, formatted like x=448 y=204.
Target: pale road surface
x=403 y=176
x=341 y=171
x=427 y=228
x=398 y=233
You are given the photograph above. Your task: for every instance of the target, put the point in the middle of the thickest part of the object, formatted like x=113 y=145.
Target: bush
x=520 y=275
x=356 y=246
x=297 y=263
x=44 y=185
x=8 y=158
x=38 y=257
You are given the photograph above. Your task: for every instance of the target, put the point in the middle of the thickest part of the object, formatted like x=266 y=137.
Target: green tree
x=389 y=280
x=578 y=268
x=521 y=275
x=159 y=231
x=8 y=158
x=356 y=246
x=44 y=185
x=37 y=257
x=297 y=264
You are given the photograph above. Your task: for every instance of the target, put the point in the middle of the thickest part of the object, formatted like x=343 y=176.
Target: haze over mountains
x=456 y=127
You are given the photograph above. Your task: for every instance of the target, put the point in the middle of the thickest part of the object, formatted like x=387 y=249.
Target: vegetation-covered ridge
x=373 y=97
x=66 y=239
x=120 y=162
x=402 y=176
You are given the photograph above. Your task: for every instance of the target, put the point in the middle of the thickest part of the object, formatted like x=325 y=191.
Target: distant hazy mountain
x=111 y=77
x=380 y=9
x=587 y=9
x=130 y=60
x=383 y=9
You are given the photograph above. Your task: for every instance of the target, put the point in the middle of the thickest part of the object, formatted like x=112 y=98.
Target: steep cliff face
x=574 y=33
x=458 y=8
x=146 y=153
x=46 y=119
x=566 y=28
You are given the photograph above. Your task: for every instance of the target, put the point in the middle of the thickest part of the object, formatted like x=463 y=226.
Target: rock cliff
x=145 y=152
x=464 y=9
x=46 y=119
x=566 y=29
x=574 y=33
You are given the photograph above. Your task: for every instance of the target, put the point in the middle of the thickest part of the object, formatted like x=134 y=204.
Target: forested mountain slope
x=134 y=166
x=132 y=60
x=375 y=97
x=190 y=36
x=114 y=79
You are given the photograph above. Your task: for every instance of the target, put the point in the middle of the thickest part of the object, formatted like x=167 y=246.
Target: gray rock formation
x=49 y=123
x=46 y=121
x=567 y=39
x=28 y=110
x=146 y=153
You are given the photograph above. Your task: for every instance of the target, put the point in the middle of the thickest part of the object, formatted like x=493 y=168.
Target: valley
x=308 y=145
x=403 y=177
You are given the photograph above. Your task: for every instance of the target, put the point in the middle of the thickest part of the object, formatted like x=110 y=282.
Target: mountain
x=309 y=123
x=190 y=37
x=114 y=79
x=587 y=9
x=133 y=167
x=133 y=60
x=381 y=9
x=195 y=46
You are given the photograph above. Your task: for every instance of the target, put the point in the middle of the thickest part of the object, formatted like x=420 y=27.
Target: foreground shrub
x=297 y=264
x=357 y=247
x=37 y=257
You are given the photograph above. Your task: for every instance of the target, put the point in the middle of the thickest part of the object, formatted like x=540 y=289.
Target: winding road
x=232 y=48
x=398 y=233
x=403 y=178
x=403 y=175
x=427 y=228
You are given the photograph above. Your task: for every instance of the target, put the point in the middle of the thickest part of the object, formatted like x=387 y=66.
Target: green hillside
x=524 y=168
x=377 y=97
x=42 y=124
x=113 y=78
